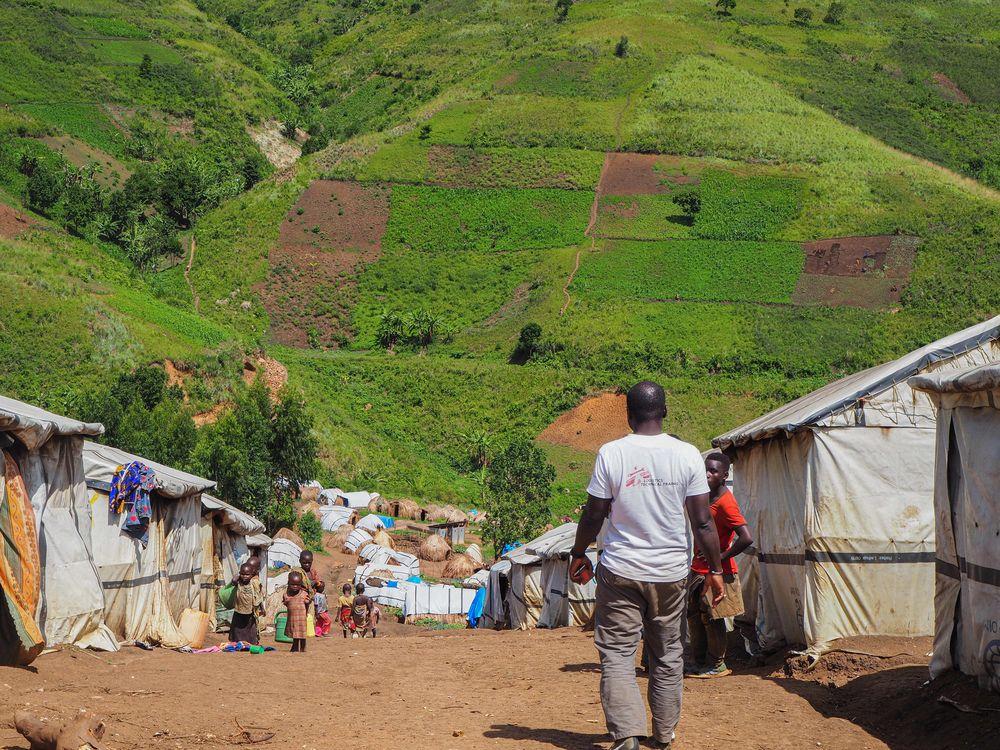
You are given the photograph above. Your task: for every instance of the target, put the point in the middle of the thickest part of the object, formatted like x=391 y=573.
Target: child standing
x=346 y=603
x=323 y=620
x=248 y=607
x=296 y=600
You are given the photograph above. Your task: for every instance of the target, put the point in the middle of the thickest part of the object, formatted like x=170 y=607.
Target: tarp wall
x=72 y=602
x=967 y=590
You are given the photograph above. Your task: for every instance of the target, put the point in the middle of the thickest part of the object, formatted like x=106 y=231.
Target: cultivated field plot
x=856 y=271
x=444 y=220
x=13 y=223
x=132 y=51
x=331 y=233
x=108 y=170
x=88 y=122
x=735 y=207
x=647 y=174
x=694 y=270
x=604 y=78
x=589 y=425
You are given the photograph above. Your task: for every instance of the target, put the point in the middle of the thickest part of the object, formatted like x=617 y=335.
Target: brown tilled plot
x=643 y=174
x=12 y=222
x=855 y=271
x=329 y=235
x=109 y=172
x=588 y=426
x=949 y=89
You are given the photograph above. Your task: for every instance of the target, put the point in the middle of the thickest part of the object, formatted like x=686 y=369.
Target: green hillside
x=743 y=207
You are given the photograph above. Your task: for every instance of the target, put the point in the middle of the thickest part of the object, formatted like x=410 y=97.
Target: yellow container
x=310 y=625
x=194 y=626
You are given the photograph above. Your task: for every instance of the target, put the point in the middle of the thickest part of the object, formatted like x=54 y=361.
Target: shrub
x=835 y=13
x=562 y=9
x=802 y=16
x=689 y=201
x=311 y=531
x=621 y=49
x=725 y=7
x=527 y=344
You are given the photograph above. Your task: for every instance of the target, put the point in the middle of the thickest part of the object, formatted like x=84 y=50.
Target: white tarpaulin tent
x=357 y=500
x=540 y=592
x=45 y=449
x=495 y=608
x=837 y=489
x=283 y=552
x=147 y=587
x=967 y=511
x=436 y=600
x=332 y=517
x=225 y=533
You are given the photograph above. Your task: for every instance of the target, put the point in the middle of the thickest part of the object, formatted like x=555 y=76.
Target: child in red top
x=707 y=633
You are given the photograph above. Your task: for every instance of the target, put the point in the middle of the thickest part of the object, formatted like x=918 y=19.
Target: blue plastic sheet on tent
x=387 y=521
x=391 y=585
x=415 y=579
x=509 y=547
x=477 y=606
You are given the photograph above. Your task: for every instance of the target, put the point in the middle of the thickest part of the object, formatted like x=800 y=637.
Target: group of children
x=358 y=613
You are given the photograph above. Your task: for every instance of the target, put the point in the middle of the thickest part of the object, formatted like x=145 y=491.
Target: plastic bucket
x=227 y=596
x=310 y=625
x=194 y=626
x=280 y=621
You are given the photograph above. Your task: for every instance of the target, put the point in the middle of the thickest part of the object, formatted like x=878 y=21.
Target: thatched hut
x=434 y=549
x=310 y=494
x=459 y=566
x=382 y=539
x=431 y=512
x=379 y=505
x=291 y=536
x=340 y=536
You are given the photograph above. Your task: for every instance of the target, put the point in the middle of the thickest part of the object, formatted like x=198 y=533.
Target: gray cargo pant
x=628 y=610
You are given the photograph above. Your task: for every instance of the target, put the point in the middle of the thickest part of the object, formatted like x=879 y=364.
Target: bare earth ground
x=590 y=424
x=469 y=689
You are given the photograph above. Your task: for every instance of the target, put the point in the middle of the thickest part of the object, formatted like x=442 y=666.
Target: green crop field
x=693 y=269
x=489 y=124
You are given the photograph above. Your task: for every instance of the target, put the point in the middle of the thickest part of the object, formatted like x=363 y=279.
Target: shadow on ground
x=559 y=738
x=899 y=708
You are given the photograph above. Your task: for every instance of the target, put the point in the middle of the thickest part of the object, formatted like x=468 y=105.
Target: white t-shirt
x=647 y=477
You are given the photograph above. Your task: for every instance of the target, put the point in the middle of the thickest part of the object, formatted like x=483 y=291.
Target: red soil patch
x=882 y=255
x=274 y=373
x=13 y=223
x=621 y=209
x=855 y=271
x=588 y=426
x=643 y=174
x=949 y=89
x=331 y=233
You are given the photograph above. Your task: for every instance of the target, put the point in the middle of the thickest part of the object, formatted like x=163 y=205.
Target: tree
x=44 y=188
x=293 y=445
x=390 y=330
x=521 y=470
x=527 y=344
x=146 y=67
x=802 y=16
x=510 y=518
x=562 y=9
x=689 y=201
x=835 y=13
x=479 y=445
x=621 y=49
x=725 y=7
x=311 y=531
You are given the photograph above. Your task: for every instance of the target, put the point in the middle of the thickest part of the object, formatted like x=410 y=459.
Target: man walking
x=643 y=484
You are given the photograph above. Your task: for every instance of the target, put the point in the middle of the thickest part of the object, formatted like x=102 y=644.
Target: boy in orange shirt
x=706 y=627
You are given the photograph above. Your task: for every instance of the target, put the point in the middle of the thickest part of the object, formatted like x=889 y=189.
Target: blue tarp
x=477 y=606
x=509 y=547
x=415 y=579
x=387 y=521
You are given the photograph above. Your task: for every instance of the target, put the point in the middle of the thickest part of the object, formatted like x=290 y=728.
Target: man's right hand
x=580 y=570
x=718 y=587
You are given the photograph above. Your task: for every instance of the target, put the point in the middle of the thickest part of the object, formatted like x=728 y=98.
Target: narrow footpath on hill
x=187 y=274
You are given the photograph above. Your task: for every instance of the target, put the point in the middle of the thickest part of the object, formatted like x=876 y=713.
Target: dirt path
x=455 y=690
x=588 y=232
x=187 y=274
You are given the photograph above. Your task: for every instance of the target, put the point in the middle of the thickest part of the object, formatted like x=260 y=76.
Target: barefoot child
x=346 y=603
x=248 y=607
x=296 y=601
x=323 y=620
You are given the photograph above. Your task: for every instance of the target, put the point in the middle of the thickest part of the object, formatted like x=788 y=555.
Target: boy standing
x=706 y=623
x=323 y=620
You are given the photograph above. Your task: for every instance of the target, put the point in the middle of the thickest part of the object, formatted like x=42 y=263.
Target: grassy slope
x=512 y=99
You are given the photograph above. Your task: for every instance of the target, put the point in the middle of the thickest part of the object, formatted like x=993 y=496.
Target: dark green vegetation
x=490 y=124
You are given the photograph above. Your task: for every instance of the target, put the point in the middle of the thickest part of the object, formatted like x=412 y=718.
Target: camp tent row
x=838 y=488
x=967 y=514
x=530 y=587
x=69 y=575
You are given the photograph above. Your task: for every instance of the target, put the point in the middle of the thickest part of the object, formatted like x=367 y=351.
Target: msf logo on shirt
x=641 y=477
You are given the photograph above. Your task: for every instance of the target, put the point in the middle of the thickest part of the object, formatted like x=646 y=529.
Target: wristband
x=577 y=556
x=715 y=572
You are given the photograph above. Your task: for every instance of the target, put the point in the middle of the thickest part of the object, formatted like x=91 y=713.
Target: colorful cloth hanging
x=130 y=488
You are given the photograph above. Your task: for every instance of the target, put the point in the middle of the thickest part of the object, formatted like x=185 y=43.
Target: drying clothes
x=130 y=488
x=20 y=569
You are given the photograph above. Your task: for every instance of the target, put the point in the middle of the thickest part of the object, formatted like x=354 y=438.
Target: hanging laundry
x=130 y=488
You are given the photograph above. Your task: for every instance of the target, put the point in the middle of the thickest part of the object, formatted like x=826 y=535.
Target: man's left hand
x=718 y=587
x=581 y=570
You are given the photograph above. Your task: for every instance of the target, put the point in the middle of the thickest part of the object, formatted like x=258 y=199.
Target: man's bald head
x=646 y=402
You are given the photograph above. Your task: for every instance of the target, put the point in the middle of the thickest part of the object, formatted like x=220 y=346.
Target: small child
x=248 y=607
x=296 y=600
x=323 y=620
x=346 y=603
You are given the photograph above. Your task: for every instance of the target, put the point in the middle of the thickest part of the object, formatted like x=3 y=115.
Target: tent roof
x=844 y=393
x=240 y=521
x=101 y=461
x=553 y=543
x=259 y=540
x=34 y=426
x=969 y=380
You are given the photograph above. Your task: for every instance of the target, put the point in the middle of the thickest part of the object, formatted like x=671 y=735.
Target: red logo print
x=638 y=475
